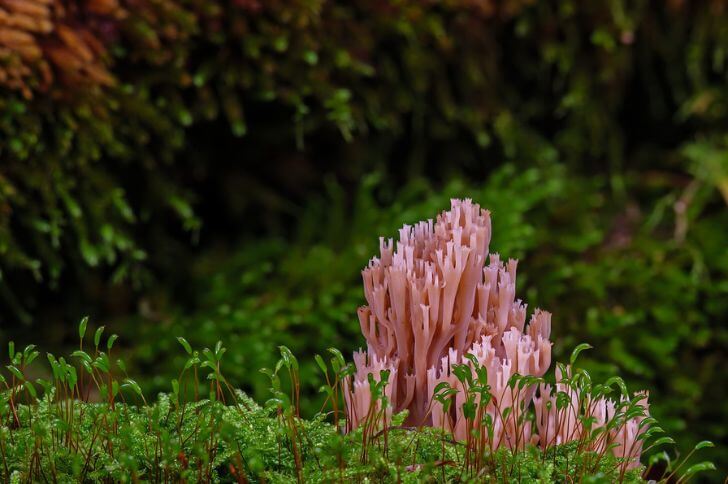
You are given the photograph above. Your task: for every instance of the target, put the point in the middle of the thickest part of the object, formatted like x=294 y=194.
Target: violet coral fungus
x=434 y=307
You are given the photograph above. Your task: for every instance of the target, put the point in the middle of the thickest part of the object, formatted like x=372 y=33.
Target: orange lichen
x=47 y=41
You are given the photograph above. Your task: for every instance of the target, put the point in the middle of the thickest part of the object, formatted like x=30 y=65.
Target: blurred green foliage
x=88 y=173
x=595 y=131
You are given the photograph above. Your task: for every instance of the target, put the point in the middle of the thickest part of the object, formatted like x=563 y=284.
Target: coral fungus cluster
x=435 y=305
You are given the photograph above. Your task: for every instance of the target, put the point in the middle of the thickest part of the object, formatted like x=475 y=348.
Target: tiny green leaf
x=82 y=327
x=699 y=467
x=82 y=355
x=321 y=364
x=704 y=444
x=185 y=344
x=133 y=385
x=663 y=441
x=97 y=336
x=577 y=350
x=31 y=389
x=288 y=359
x=111 y=340
x=16 y=373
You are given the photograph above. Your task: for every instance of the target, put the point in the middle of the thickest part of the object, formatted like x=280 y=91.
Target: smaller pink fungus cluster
x=559 y=425
x=432 y=299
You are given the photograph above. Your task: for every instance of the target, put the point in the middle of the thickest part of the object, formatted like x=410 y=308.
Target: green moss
x=92 y=423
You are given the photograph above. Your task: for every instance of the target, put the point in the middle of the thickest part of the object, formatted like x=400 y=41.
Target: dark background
x=234 y=172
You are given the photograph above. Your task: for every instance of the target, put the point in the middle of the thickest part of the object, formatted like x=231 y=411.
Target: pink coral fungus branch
x=442 y=313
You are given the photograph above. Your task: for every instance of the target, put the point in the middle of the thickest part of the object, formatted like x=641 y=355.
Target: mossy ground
x=87 y=421
x=209 y=441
